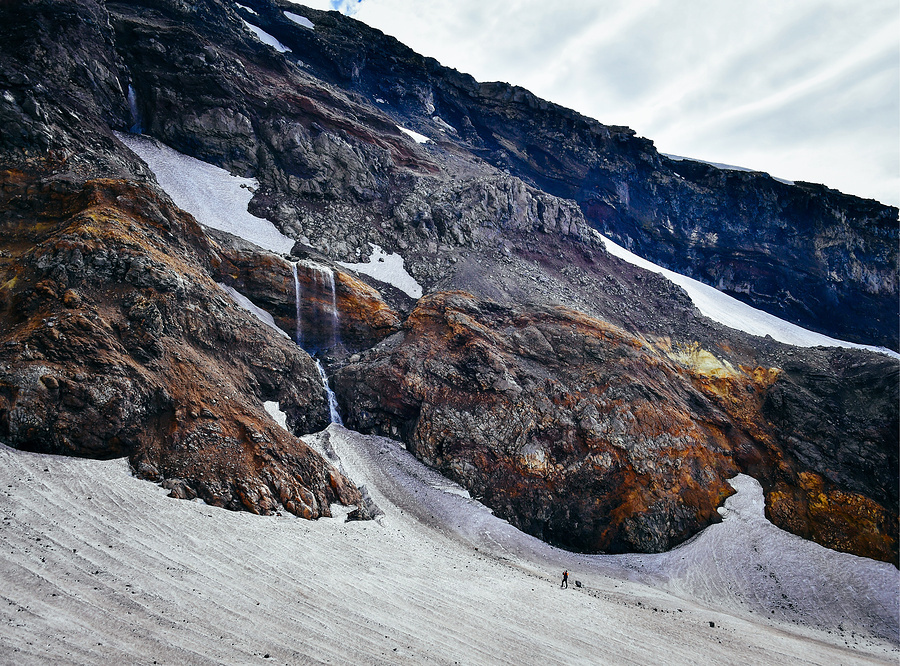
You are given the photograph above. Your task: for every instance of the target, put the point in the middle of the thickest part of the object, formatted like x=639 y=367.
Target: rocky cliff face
x=584 y=399
x=596 y=440
x=116 y=342
x=808 y=254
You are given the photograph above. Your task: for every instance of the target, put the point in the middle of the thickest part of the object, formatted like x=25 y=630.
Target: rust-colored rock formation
x=115 y=341
x=583 y=434
x=362 y=316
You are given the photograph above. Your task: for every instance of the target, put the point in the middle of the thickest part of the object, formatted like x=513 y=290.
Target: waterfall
x=329 y=279
x=324 y=277
x=298 y=330
x=318 y=321
x=322 y=285
x=332 y=399
x=135 y=114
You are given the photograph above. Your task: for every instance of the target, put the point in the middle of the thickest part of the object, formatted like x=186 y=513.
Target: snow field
x=735 y=314
x=387 y=268
x=212 y=195
x=99 y=567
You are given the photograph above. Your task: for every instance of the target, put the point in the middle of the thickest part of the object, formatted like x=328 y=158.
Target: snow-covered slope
x=733 y=313
x=388 y=268
x=100 y=567
x=212 y=195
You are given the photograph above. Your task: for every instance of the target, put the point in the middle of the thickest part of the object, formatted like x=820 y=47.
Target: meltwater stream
x=322 y=278
x=332 y=399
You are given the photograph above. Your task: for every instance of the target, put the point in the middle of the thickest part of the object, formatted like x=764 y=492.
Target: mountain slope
x=811 y=255
x=611 y=370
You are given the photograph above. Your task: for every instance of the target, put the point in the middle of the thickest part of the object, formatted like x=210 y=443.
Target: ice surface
x=418 y=138
x=246 y=8
x=266 y=38
x=250 y=306
x=300 y=20
x=212 y=195
x=387 y=268
x=733 y=313
x=100 y=567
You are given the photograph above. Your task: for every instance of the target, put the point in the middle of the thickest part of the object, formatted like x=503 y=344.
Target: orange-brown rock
x=335 y=308
x=582 y=434
x=115 y=340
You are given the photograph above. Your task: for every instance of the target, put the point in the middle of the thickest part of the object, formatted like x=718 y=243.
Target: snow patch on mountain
x=266 y=38
x=265 y=317
x=274 y=410
x=724 y=167
x=212 y=195
x=300 y=20
x=735 y=314
x=418 y=138
x=388 y=268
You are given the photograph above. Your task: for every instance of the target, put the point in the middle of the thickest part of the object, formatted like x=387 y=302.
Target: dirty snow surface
x=100 y=567
x=387 y=268
x=735 y=314
x=212 y=195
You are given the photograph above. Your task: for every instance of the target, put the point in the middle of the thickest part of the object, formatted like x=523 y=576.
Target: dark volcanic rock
x=595 y=440
x=115 y=341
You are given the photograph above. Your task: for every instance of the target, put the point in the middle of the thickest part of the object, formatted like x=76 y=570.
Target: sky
x=804 y=90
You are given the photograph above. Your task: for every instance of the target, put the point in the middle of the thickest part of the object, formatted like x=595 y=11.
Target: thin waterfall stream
x=323 y=278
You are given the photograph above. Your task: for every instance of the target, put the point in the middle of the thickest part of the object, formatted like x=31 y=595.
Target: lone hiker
x=565 y=580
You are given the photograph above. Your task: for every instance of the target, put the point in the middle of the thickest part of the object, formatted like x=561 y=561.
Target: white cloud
x=806 y=90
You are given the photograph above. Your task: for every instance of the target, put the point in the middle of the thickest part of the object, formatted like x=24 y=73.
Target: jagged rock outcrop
x=115 y=341
x=808 y=254
x=595 y=440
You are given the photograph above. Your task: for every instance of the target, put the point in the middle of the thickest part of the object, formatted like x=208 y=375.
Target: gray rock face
x=813 y=256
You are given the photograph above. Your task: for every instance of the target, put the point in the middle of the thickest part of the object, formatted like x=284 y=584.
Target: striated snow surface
x=212 y=195
x=266 y=38
x=300 y=20
x=100 y=567
x=735 y=314
x=387 y=268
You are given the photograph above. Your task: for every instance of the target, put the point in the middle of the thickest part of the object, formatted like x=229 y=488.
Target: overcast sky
x=802 y=89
